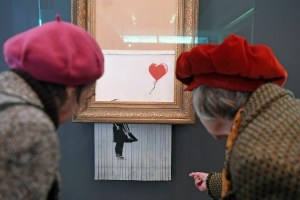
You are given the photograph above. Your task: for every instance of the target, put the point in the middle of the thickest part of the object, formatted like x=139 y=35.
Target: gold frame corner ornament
x=178 y=112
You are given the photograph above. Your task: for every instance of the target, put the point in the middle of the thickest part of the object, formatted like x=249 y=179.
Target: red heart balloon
x=158 y=70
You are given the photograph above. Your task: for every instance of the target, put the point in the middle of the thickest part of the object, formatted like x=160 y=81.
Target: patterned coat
x=29 y=147
x=264 y=162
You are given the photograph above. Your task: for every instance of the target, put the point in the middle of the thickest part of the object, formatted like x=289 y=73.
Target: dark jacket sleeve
x=214 y=185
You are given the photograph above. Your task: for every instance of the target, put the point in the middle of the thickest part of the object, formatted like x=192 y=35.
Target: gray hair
x=210 y=102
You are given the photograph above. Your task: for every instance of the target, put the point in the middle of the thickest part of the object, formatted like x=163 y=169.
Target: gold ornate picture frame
x=172 y=106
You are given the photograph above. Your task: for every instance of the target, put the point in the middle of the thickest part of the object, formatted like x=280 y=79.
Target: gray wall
x=276 y=23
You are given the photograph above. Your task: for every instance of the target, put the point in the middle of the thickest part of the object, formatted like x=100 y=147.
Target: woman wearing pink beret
x=51 y=66
x=238 y=95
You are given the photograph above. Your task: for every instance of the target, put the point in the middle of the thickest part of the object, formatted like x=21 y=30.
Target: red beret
x=56 y=52
x=233 y=65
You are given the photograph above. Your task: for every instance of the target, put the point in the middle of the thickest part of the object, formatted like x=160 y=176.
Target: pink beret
x=233 y=65
x=56 y=52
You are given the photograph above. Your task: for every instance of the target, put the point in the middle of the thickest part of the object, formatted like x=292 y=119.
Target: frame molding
x=178 y=112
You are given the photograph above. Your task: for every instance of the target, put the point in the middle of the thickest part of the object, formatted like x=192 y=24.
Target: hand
x=200 y=180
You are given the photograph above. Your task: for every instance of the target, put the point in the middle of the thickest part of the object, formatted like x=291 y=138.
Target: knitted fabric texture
x=264 y=162
x=214 y=185
x=226 y=182
x=29 y=147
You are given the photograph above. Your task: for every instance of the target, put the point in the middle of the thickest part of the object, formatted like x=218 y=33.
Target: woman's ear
x=65 y=111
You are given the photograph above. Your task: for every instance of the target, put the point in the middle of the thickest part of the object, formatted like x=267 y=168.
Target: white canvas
x=127 y=77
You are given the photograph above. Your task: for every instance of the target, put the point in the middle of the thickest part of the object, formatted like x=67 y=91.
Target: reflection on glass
x=164 y=39
x=40 y=12
x=218 y=19
x=46 y=11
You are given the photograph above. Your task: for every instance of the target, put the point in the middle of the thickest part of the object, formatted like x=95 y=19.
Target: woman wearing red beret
x=51 y=66
x=238 y=95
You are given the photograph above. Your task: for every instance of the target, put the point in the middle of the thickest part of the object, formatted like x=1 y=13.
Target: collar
x=14 y=88
x=260 y=99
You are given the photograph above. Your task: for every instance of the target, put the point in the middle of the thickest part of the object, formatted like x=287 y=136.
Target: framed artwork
x=141 y=41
